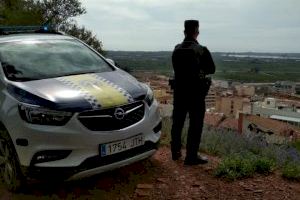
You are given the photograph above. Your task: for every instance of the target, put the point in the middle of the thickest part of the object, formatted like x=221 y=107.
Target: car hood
x=81 y=92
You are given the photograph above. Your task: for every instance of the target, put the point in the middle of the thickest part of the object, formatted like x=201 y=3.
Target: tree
x=57 y=13
x=255 y=70
x=14 y=12
x=83 y=34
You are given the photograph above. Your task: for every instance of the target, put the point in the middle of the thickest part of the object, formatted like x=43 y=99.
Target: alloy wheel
x=6 y=165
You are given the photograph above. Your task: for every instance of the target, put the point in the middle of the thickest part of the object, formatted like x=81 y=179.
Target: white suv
x=66 y=111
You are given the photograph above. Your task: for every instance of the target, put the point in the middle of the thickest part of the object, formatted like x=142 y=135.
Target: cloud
x=233 y=25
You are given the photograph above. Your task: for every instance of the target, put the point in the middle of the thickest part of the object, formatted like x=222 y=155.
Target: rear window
x=41 y=59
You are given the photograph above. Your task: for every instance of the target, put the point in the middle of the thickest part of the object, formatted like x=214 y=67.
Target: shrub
x=296 y=145
x=291 y=171
x=264 y=165
x=235 y=167
x=244 y=154
x=244 y=165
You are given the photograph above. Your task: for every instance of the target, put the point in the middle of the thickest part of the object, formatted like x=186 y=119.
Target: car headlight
x=38 y=115
x=149 y=97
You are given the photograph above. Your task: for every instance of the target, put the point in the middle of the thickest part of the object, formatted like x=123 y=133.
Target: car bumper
x=93 y=165
x=81 y=143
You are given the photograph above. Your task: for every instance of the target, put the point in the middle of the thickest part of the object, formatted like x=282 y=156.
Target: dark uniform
x=191 y=62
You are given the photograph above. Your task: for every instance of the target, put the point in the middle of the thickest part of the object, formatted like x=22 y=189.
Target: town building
x=284 y=87
x=230 y=124
x=297 y=89
x=162 y=96
x=220 y=84
x=233 y=105
x=213 y=119
x=210 y=99
x=282 y=110
x=243 y=90
x=274 y=131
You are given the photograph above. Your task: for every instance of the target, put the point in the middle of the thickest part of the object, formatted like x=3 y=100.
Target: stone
x=258 y=191
x=162 y=180
x=142 y=193
x=196 y=184
x=144 y=186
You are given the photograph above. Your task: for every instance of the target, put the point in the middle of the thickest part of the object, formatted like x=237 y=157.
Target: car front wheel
x=10 y=172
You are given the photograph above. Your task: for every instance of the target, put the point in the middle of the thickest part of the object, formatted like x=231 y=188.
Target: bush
x=235 y=167
x=243 y=154
x=264 y=165
x=291 y=171
x=296 y=145
x=244 y=165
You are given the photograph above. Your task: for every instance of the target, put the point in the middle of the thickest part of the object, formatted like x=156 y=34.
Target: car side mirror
x=111 y=61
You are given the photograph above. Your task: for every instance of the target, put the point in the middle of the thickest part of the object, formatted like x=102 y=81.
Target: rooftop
x=284 y=118
x=213 y=119
x=230 y=123
x=271 y=124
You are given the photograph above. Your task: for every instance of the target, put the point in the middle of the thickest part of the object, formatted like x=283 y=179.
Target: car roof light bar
x=26 y=29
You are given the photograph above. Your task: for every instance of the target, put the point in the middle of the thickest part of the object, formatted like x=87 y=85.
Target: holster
x=207 y=84
x=172 y=83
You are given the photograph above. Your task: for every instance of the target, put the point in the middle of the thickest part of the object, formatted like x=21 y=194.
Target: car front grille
x=113 y=118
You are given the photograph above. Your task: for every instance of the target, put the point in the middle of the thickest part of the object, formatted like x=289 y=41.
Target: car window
x=40 y=59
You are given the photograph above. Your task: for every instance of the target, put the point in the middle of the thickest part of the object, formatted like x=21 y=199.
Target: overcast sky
x=225 y=25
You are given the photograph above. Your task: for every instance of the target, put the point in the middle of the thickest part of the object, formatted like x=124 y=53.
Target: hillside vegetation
x=245 y=67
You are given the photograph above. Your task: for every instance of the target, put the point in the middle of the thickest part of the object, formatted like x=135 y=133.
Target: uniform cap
x=191 y=25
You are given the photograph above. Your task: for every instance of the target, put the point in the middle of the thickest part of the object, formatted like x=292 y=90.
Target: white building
x=272 y=108
x=210 y=99
x=284 y=87
x=220 y=83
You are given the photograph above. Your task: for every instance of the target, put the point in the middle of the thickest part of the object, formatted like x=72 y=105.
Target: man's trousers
x=187 y=103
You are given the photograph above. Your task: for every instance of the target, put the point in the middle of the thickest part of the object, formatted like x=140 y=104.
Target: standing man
x=191 y=63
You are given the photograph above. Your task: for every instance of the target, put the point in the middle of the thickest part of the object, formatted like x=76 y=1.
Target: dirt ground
x=162 y=178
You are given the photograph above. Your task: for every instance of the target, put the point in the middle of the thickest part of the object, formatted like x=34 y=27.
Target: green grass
x=296 y=145
x=166 y=131
x=291 y=171
x=235 y=167
x=239 y=166
x=264 y=165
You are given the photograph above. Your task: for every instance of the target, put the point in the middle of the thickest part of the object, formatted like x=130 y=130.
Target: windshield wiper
x=10 y=72
x=10 y=69
x=78 y=73
x=23 y=79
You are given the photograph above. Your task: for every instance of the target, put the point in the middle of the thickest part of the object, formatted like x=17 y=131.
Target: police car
x=66 y=111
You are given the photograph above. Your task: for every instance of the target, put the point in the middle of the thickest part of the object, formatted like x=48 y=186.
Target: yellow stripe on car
x=98 y=91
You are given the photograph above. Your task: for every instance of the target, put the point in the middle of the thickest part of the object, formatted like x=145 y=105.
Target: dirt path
x=161 y=178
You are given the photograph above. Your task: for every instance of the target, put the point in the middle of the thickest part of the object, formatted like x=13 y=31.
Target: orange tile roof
x=230 y=123
x=279 y=127
x=213 y=119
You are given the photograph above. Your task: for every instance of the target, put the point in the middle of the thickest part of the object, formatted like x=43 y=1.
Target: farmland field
x=244 y=67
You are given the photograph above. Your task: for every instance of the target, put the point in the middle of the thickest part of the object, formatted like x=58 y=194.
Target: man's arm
x=209 y=65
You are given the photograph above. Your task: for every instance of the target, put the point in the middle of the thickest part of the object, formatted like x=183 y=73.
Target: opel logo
x=119 y=113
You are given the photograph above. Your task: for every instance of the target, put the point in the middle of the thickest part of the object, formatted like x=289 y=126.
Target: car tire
x=10 y=172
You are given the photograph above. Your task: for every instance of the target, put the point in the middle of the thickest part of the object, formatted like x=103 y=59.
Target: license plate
x=120 y=146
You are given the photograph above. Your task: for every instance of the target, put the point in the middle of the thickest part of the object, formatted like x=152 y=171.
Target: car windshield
x=40 y=59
